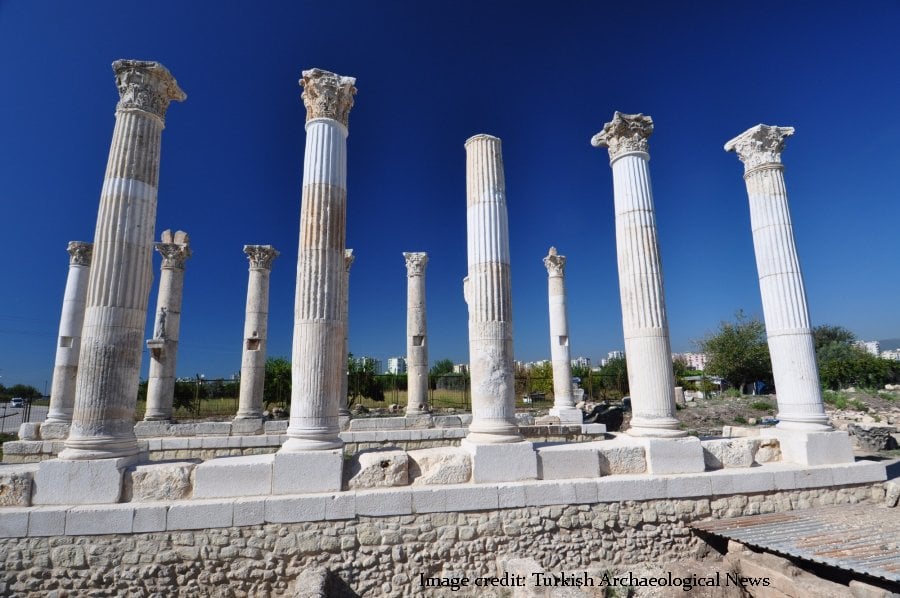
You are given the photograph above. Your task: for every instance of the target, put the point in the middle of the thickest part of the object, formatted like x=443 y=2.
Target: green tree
x=842 y=364
x=277 y=385
x=441 y=367
x=738 y=352
x=363 y=382
x=540 y=378
x=614 y=376
x=826 y=335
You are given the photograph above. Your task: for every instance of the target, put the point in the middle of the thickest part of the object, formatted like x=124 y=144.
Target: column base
x=293 y=445
x=158 y=418
x=493 y=432
x=568 y=415
x=307 y=471
x=659 y=427
x=510 y=462
x=812 y=447
x=99 y=447
x=312 y=438
x=84 y=482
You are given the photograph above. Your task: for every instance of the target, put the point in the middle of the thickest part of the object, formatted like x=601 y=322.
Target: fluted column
x=319 y=329
x=791 y=344
x=175 y=251
x=647 y=348
x=256 y=331
x=121 y=275
x=487 y=291
x=563 y=402
x=65 y=368
x=344 y=407
x=416 y=335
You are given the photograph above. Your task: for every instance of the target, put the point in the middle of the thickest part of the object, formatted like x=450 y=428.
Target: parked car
x=17 y=402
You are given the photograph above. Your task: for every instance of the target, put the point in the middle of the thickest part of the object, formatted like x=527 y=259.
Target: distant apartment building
x=893 y=354
x=396 y=365
x=581 y=362
x=612 y=355
x=369 y=362
x=695 y=361
x=461 y=368
x=870 y=347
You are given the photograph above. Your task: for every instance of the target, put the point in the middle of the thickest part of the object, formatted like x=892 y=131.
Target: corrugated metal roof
x=860 y=538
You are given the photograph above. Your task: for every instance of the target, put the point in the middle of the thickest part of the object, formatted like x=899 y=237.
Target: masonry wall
x=384 y=556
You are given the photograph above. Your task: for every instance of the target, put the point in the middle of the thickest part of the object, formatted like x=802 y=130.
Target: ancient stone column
x=344 y=407
x=487 y=291
x=256 y=331
x=65 y=369
x=317 y=362
x=416 y=335
x=563 y=401
x=647 y=348
x=791 y=344
x=121 y=275
x=175 y=251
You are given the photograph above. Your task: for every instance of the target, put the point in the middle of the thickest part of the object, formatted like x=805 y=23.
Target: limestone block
x=456 y=498
x=729 y=452
x=307 y=471
x=554 y=493
x=507 y=462
x=687 y=485
x=276 y=426
x=241 y=427
x=769 y=451
x=619 y=457
x=30 y=431
x=739 y=431
x=547 y=420
x=630 y=487
x=153 y=429
x=234 y=476
x=465 y=419
x=249 y=511
x=378 y=469
x=812 y=448
x=447 y=421
x=417 y=422
x=861 y=472
x=149 y=518
x=293 y=509
x=441 y=465
x=14 y=523
x=524 y=419
x=511 y=496
x=564 y=461
x=93 y=481
x=725 y=482
x=381 y=503
x=593 y=429
x=158 y=481
x=340 y=506
x=100 y=520
x=200 y=514
x=54 y=431
x=891 y=494
x=16 y=484
x=47 y=521
x=673 y=455
x=870 y=437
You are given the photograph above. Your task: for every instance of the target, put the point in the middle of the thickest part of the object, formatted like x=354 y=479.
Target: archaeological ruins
x=413 y=504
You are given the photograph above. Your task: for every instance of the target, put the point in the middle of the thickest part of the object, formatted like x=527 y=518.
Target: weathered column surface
x=416 y=335
x=344 y=406
x=256 y=331
x=121 y=275
x=791 y=344
x=563 y=401
x=65 y=368
x=487 y=291
x=319 y=328
x=647 y=348
x=175 y=251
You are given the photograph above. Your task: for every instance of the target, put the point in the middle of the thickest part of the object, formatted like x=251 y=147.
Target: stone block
x=440 y=465
x=630 y=487
x=769 y=451
x=14 y=523
x=158 y=481
x=796 y=478
x=871 y=437
x=378 y=468
x=812 y=448
x=93 y=481
x=276 y=427
x=418 y=422
x=340 y=506
x=22 y=447
x=733 y=482
x=565 y=461
x=729 y=452
x=447 y=421
x=593 y=429
x=465 y=419
x=739 y=432
x=621 y=456
x=688 y=485
x=511 y=496
x=249 y=511
x=307 y=471
x=861 y=472
x=200 y=514
x=158 y=429
x=99 y=520
x=249 y=475
x=149 y=518
x=382 y=503
x=254 y=441
x=54 y=431
x=30 y=431
x=214 y=442
x=455 y=498
x=538 y=494
x=16 y=484
x=211 y=428
x=174 y=444
x=673 y=455
x=859 y=589
x=567 y=415
x=47 y=521
x=247 y=427
x=295 y=509
x=509 y=462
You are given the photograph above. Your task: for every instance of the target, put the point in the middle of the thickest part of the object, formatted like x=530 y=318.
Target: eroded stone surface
x=450 y=465
x=730 y=452
x=158 y=481
x=378 y=469
x=15 y=485
x=622 y=459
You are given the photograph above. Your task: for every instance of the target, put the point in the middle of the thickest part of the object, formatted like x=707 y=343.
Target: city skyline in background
x=544 y=81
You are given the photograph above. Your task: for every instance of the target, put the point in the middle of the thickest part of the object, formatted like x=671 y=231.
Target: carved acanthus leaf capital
x=555 y=263
x=415 y=263
x=348 y=259
x=261 y=256
x=146 y=85
x=327 y=95
x=174 y=254
x=759 y=145
x=624 y=134
x=80 y=253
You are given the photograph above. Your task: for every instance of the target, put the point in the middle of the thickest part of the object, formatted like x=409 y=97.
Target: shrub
x=761 y=405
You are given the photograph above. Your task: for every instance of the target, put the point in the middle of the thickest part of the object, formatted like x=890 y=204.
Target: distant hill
x=889 y=344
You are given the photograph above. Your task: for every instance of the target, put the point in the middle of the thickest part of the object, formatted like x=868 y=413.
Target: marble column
x=791 y=344
x=317 y=362
x=487 y=291
x=175 y=251
x=647 y=348
x=65 y=369
x=121 y=275
x=416 y=335
x=256 y=331
x=563 y=401
x=344 y=407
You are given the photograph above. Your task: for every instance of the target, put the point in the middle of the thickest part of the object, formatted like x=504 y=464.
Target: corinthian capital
x=624 y=134
x=555 y=263
x=80 y=253
x=415 y=263
x=348 y=259
x=327 y=95
x=260 y=256
x=759 y=145
x=146 y=85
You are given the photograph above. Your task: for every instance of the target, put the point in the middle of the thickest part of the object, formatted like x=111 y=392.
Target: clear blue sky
x=542 y=77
